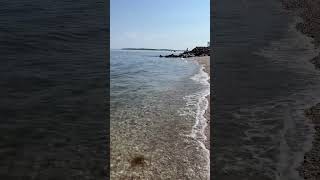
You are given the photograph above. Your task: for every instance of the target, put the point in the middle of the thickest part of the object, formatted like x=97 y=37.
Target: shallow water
x=154 y=108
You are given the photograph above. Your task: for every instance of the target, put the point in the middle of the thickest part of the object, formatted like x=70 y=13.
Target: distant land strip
x=150 y=49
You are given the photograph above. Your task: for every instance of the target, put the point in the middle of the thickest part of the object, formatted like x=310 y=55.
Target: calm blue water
x=152 y=115
x=137 y=73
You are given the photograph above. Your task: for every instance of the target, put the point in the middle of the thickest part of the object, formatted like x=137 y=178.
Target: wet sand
x=309 y=11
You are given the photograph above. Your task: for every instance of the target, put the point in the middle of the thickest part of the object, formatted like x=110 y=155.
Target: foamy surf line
x=200 y=99
x=198 y=129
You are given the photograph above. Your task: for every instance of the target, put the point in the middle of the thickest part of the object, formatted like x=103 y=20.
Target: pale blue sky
x=174 y=24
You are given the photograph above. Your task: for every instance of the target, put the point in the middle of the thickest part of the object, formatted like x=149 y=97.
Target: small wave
x=196 y=106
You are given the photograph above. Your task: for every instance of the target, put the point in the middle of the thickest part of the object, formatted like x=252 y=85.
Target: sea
x=157 y=116
x=263 y=82
x=53 y=76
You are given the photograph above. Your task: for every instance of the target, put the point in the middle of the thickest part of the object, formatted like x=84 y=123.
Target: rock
x=198 y=51
x=173 y=56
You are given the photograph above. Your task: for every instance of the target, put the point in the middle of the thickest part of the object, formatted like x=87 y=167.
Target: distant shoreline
x=150 y=49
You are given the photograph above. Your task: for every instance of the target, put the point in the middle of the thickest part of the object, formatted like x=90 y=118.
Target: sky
x=167 y=24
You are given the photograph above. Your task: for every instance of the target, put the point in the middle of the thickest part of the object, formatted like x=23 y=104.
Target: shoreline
x=310 y=167
x=309 y=11
x=205 y=62
x=202 y=135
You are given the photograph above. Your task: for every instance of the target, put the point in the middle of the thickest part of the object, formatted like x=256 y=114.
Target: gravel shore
x=310 y=168
x=309 y=11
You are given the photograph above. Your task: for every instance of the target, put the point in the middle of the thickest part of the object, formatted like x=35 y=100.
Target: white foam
x=199 y=100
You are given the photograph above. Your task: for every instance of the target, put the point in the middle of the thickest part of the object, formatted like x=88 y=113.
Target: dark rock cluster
x=198 y=51
x=201 y=51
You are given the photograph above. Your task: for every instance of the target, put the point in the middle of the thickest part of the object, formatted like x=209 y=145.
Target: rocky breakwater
x=197 y=51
